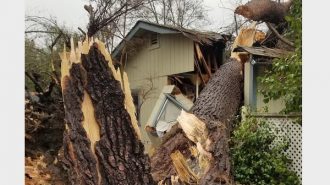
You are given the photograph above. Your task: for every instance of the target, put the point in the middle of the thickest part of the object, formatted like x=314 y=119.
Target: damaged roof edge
x=141 y=25
x=263 y=51
x=162 y=29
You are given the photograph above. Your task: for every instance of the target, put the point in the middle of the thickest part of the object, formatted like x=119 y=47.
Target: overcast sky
x=72 y=14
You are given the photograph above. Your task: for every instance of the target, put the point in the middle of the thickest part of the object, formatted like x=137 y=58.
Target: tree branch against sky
x=218 y=13
x=72 y=14
x=181 y=13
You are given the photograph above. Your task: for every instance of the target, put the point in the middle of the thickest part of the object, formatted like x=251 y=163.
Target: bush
x=257 y=159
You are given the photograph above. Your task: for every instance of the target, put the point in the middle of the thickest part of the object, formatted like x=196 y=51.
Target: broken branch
x=286 y=41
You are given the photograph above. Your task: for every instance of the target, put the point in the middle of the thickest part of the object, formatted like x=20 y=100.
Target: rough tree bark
x=161 y=161
x=208 y=125
x=264 y=10
x=216 y=106
x=101 y=145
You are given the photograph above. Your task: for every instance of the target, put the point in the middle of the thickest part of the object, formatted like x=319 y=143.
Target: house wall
x=252 y=98
x=283 y=126
x=150 y=67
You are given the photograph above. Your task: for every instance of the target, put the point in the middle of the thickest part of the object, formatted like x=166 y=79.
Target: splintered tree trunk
x=101 y=142
x=208 y=125
x=216 y=106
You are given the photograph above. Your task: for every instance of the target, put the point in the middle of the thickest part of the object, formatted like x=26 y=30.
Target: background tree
x=181 y=13
x=44 y=38
x=111 y=20
x=44 y=114
x=103 y=13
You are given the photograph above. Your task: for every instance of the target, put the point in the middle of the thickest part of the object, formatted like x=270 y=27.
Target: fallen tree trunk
x=208 y=125
x=208 y=128
x=101 y=144
x=216 y=106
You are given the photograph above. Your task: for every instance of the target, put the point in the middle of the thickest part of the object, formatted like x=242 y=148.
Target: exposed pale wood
x=245 y=38
x=78 y=142
x=209 y=126
x=73 y=57
x=36 y=171
x=174 y=180
x=183 y=170
x=85 y=47
x=260 y=36
x=79 y=51
x=130 y=105
x=161 y=163
x=99 y=151
x=90 y=124
x=196 y=131
x=217 y=106
x=193 y=127
x=65 y=65
x=91 y=41
x=203 y=158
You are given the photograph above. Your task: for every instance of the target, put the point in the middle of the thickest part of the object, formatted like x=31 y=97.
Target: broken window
x=167 y=110
x=167 y=117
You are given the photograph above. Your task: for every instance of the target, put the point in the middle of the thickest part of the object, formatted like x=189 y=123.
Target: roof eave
x=145 y=26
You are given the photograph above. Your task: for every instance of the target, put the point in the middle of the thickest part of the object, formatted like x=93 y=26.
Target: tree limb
x=38 y=87
x=82 y=31
x=278 y=35
x=40 y=31
x=55 y=41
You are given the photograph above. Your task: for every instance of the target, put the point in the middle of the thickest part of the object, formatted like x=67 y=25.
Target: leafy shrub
x=285 y=77
x=258 y=155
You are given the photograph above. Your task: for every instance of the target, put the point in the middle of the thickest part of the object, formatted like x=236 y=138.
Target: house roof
x=201 y=37
x=263 y=51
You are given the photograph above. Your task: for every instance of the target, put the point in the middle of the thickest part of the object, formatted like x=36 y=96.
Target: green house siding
x=150 y=67
x=254 y=99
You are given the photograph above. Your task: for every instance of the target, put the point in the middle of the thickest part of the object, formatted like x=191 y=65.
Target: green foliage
x=37 y=60
x=44 y=40
x=284 y=79
x=258 y=157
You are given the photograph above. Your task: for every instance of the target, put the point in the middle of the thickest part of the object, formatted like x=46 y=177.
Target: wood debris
x=35 y=172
